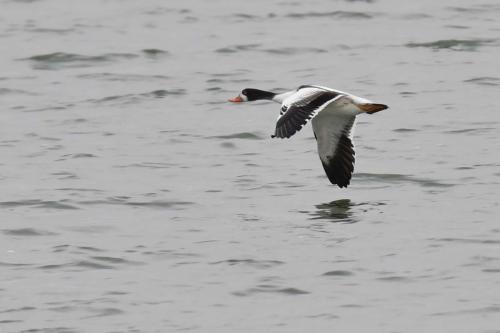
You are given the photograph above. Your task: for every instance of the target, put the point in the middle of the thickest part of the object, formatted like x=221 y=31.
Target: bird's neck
x=258 y=94
x=279 y=98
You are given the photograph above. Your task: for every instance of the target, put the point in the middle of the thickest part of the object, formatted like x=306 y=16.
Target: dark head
x=250 y=94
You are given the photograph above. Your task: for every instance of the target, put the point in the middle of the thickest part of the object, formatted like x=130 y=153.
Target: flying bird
x=332 y=113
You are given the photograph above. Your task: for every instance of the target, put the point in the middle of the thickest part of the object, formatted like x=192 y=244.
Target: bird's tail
x=372 y=107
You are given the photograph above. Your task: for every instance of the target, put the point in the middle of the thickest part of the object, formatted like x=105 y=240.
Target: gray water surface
x=134 y=198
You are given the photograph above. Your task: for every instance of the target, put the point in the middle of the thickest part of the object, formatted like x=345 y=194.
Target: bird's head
x=251 y=94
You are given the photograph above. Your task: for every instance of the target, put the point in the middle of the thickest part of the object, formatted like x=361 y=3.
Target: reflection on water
x=335 y=211
x=342 y=210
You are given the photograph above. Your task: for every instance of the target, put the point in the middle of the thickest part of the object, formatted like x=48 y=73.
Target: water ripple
x=250 y=262
x=237 y=48
x=294 y=50
x=24 y=308
x=454 y=44
x=240 y=135
x=341 y=210
x=60 y=60
x=334 y=14
x=155 y=53
x=27 y=232
x=58 y=329
x=37 y=203
x=122 y=77
x=137 y=98
x=338 y=273
x=399 y=178
x=467 y=240
x=485 y=81
x=265 y=288
x=9 y=91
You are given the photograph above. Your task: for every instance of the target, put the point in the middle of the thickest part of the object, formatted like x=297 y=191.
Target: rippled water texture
x=134 y=198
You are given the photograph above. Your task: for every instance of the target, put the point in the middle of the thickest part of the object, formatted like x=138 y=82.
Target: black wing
x=297 y=113
x=335 y=147
x=340 y=165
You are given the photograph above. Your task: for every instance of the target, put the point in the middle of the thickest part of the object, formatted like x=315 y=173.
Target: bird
x=332 y=114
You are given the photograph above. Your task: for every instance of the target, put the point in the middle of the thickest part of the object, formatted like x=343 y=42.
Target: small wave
x=27 y=232
x=467 y=240
x=416 y=16
x=334 y=14
x=485 y=81
x=237 y=48
x=407 y=93
x=150 y=165
x=405 y=130
x=155 y=53
x=122 y=77
x=36 y=203
x=137 y=98
x=58 y=329
x=65 y=175
x=338 y=273
x=116 y=261
x=250 y=262
x=8 y=91
x=454 y=44
x=104 y=312
x=241 y=135
x=51 y=31
x=159 y=204
x=152 y=204
x=484 y=311
x=52 y=108
x=162 y=93
x=244 y=17
x=75 y=249
x=229 y=145
x=59 y=60
x=271 y=289
x=294 y=50
x=75 y=189
x=471 y=130
x=24 y=308
x=84 y=264
x=469 y=9
x=11 y=264
x=80 y=155
x=398 y=178
x=456 y=26
x=394 y=278
x=89 y=248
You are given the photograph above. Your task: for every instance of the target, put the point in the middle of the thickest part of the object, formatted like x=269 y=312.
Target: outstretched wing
x=296 y=111
x=333 y=133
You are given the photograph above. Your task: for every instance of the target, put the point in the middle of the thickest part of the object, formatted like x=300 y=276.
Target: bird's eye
x=244 y=92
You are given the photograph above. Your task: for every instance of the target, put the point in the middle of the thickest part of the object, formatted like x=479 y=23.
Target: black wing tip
x=340 y=166
x=342 y=185
x=336 y=178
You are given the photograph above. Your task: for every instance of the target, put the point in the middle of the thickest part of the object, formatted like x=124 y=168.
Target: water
x=134 y=198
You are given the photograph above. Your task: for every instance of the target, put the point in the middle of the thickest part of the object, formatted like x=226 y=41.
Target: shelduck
x=332 y=113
